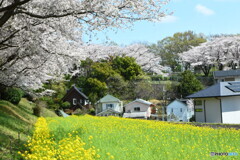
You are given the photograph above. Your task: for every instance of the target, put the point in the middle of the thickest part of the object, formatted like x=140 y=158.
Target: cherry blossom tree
x=42 y=39
x=220 y=52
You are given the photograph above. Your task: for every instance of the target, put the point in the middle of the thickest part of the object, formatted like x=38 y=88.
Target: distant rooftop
x=222 y=89
x=141 y=101
x=229 y=73
x=108 y=98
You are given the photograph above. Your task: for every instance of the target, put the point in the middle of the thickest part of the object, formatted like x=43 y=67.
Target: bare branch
x=14 y=5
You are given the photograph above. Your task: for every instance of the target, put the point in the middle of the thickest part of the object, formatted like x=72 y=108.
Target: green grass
x=130 y=139
x=16 y=124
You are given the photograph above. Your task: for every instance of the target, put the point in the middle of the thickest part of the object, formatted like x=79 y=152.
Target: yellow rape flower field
x=89 y=137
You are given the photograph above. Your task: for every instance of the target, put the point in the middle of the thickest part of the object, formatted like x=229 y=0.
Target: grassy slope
x=16 y=123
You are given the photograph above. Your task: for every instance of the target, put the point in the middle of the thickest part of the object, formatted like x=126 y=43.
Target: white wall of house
x=143 y=108
x=179 y=109
x=231 y=109
x=209 y=107
x=130 y=107
x=117 y=106
x=213 y=111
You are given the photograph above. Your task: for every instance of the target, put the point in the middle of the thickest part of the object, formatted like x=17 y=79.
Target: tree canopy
x=110 y=75
x=42 y=39
x=170 y=47
x=127 y=67
x=220 y=52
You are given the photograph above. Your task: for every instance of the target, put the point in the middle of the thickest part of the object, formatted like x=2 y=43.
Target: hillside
x=16 y=123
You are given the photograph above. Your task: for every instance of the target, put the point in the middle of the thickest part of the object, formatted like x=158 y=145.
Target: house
x=138 y=108
x=76 y=98
x=180 y=110
x=230 y=75
x=109 y=106
x=219 y=103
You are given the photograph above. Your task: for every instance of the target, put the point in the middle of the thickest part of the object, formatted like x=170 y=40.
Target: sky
x=201 y=16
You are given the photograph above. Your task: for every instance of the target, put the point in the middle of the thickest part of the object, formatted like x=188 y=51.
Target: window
x=172 y=110
x=74 y=101
x=136 y=108
x=80 y=101
x=109 y=106
x=180 y=109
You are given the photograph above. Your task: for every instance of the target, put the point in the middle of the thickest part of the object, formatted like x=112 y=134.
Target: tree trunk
x=206 y=70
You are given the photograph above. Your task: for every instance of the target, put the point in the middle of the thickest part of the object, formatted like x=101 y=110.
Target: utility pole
x=164 y=99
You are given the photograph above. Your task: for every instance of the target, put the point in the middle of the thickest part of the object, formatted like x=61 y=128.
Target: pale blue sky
x=201 y=16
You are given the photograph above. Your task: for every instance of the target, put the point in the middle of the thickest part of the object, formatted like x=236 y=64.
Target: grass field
x=128 y=139
x=16 y=123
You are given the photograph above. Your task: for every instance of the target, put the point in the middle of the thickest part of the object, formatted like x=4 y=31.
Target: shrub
x=65 y=105
x=37 y=110
x=12 y=95
x=29 y=97
x=192 y=119
x=91 y=111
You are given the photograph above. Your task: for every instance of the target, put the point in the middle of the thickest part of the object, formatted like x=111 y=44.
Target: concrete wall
x=200 y=116
x=231 y=109
x=213 y=111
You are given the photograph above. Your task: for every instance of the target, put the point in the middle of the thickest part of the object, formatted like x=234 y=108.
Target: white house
x=179 y=110
x=138 y=108
x=230 y=75
x=219 y=103
x=109 y=106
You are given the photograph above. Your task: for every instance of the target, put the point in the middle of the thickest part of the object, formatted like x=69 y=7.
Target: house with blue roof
x=219 y=103
x=109 y=106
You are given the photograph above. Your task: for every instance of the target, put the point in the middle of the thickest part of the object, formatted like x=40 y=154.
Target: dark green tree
x=189 y=84
x=117 y=86
x=126 y=67
x=12 y=95
x=102 y=71
x=111 y=75
x=95 y=89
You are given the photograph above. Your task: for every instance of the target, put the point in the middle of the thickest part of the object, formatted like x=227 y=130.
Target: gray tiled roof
x=229 y=73
x=218 y=90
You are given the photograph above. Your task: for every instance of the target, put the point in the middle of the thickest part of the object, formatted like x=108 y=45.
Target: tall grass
x=130 y=139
